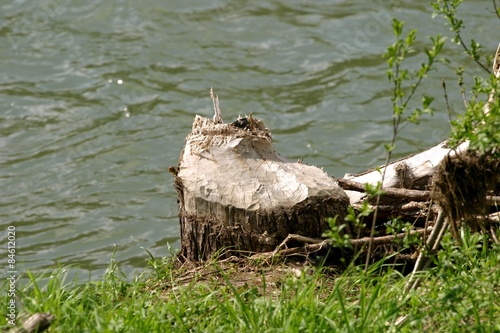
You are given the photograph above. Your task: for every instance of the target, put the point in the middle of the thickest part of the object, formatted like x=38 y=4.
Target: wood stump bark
x=236 y=192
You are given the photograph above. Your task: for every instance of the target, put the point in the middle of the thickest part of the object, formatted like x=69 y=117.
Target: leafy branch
x=395 y=55
x=398 y=76
x=479 y=125
x=448 y=9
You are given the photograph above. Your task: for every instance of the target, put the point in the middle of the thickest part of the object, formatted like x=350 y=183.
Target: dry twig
x=398 y=193
x=312 y=245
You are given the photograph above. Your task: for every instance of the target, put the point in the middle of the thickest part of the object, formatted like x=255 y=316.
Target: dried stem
x=432 y=244
x=218 y=114
x=447 y=103
x=496 y=8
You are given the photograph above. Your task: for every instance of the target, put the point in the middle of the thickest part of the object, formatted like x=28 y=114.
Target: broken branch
x=312 y=245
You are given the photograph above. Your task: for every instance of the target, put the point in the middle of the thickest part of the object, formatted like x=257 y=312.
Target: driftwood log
x=237 y=193
x=412 y=172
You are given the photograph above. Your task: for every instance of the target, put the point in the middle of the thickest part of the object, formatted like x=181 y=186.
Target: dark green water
x=97 y=98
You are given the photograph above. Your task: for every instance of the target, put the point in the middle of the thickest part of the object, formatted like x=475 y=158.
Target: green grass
x=460 y=294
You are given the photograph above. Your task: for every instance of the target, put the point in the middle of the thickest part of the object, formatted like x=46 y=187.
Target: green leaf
x=397 y=27
x=427 y=101
x=410 y=38
x=389 y=148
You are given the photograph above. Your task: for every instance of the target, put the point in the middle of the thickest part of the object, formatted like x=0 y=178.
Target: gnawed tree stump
x=235 y=191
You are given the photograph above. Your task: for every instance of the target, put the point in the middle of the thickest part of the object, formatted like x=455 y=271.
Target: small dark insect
x=241 y=123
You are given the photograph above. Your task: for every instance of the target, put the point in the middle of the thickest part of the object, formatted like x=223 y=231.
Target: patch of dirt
x=242 y=273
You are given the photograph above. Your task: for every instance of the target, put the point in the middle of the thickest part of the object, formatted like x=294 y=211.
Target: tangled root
x=461 y=184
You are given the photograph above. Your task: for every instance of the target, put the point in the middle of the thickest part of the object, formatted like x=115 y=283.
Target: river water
x=98 y=96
